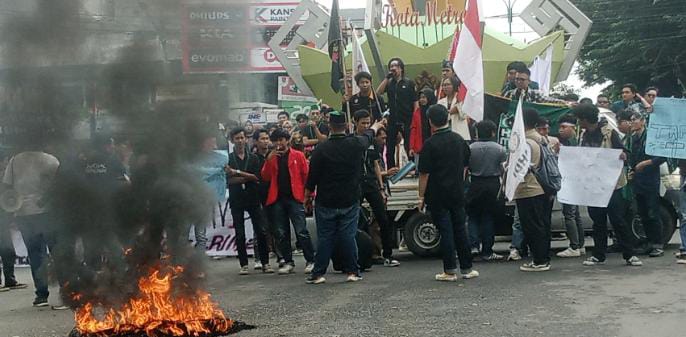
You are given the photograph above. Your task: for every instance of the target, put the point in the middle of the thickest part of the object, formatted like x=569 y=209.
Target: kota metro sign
x=434 y=14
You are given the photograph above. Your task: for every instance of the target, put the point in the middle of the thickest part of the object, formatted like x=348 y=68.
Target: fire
x=156 y=311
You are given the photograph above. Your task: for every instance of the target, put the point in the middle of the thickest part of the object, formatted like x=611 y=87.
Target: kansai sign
x=433 y=15
x=276 y=14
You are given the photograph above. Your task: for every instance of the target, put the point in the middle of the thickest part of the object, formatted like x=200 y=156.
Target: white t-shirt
x=31 y=174
x=458 y=121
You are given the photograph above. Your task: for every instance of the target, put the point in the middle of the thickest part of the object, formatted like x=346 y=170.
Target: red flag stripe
x=472 y=23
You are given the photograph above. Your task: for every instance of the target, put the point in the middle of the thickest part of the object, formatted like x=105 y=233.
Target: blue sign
x=667 y=129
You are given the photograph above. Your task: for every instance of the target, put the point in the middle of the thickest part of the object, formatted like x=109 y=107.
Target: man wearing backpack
x=532 y=202
x=605 y=137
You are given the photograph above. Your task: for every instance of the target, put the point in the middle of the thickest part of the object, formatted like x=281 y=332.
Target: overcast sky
x=495 y=10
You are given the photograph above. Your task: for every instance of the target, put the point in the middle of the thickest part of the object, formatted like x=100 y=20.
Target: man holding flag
x=363 y=96
x=523 y=187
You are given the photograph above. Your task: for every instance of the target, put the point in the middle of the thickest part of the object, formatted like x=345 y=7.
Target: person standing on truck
x=402 y=101
x=441 y=188
x=485 y=166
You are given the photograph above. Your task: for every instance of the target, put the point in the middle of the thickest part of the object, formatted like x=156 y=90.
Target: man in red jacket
x=286 y=172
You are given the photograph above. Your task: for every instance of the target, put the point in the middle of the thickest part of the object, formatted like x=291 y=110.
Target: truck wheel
x=421 y=236
x=668 y=227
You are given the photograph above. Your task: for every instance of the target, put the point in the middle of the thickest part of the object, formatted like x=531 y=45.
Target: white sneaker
x=569 y=252
x=472 y=274
x=514 y=255
x=267 y=269
x=390 y=263
x=258 y=265
x=353 y=278
x=244 y=270
x=402 y=247
x=681 y=260
x=445 y=277
x=532 y=267
x=634 y=262
x=493 y=257
x=592 y=261
x=309 y=267
x=298 y=252
x=286 y=269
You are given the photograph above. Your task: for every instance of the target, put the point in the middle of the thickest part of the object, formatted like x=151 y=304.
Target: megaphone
x=10 y=201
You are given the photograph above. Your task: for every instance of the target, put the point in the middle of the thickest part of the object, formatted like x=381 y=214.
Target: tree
x=635 y=41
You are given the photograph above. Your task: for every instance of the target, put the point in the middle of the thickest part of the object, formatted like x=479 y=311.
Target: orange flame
x=156 y=311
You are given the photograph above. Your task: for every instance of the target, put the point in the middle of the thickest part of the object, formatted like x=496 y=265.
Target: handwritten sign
x=589 y=175
x=667 y=129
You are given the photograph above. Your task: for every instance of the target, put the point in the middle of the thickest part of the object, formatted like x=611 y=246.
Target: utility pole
x=510 y=6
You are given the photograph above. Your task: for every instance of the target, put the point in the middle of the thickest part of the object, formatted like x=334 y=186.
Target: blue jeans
x=451 y=226
x=38 y=238
x=682 y=211
x=336 y=228
x=284 y=212
x=517 y=232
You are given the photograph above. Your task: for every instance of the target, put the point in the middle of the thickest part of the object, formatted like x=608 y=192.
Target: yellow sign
x=408 y=13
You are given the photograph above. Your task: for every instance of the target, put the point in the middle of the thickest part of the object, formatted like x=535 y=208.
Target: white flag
x=359 y=63
x=520 y=155
x=542 y=70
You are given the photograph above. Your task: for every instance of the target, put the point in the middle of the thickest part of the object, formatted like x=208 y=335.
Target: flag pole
x=345 y=78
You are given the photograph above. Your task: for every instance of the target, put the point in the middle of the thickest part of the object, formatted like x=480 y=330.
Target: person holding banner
x=570 y=213
x=605 y=137
x=645 y=182
x=441 y=189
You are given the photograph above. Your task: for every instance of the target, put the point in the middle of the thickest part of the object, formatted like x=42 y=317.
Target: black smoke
x=124 y=229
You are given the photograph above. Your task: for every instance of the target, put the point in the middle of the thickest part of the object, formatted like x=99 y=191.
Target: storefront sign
x=232 y=38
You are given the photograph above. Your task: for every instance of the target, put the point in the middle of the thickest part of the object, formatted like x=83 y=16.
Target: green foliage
x=635 y=41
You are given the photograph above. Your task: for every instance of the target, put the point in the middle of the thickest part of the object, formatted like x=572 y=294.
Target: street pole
x=510 y=7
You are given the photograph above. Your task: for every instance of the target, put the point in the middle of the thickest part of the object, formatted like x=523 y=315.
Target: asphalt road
x=569 y=301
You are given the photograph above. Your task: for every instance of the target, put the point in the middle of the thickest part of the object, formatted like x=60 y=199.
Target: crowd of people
x=330 y=161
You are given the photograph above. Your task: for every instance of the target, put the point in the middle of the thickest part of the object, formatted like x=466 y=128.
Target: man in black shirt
x=603 y=136
x=244 y=170
x=441 y=186
x=366 y=99
x=335 y=173
x=372 y=188
x=645 y=181
x=402 y=101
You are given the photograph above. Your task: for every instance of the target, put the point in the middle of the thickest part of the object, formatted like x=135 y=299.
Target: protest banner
x=221 y=234
x=667 y=129
x=589 y=175
x=520 y=155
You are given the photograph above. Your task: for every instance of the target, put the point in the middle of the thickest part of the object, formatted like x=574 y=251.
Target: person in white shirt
x=458 y=119
x=30 y=174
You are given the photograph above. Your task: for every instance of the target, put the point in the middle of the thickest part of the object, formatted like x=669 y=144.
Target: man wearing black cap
x=335 y=173
x=366 y=99
x=402 y=101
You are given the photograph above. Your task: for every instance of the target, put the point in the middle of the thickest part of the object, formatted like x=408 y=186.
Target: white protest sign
x=589 y=175
x=221 y=234
x=520 y=155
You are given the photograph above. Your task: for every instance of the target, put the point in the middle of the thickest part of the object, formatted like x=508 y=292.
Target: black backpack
x=548 y=174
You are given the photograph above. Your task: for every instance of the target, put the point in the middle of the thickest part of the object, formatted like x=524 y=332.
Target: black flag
x=335 y=48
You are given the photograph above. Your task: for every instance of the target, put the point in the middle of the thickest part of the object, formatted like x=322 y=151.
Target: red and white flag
x=468 y=63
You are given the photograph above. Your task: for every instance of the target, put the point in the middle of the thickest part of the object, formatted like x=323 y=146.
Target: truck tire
x=421 y=236
x=668 y=227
